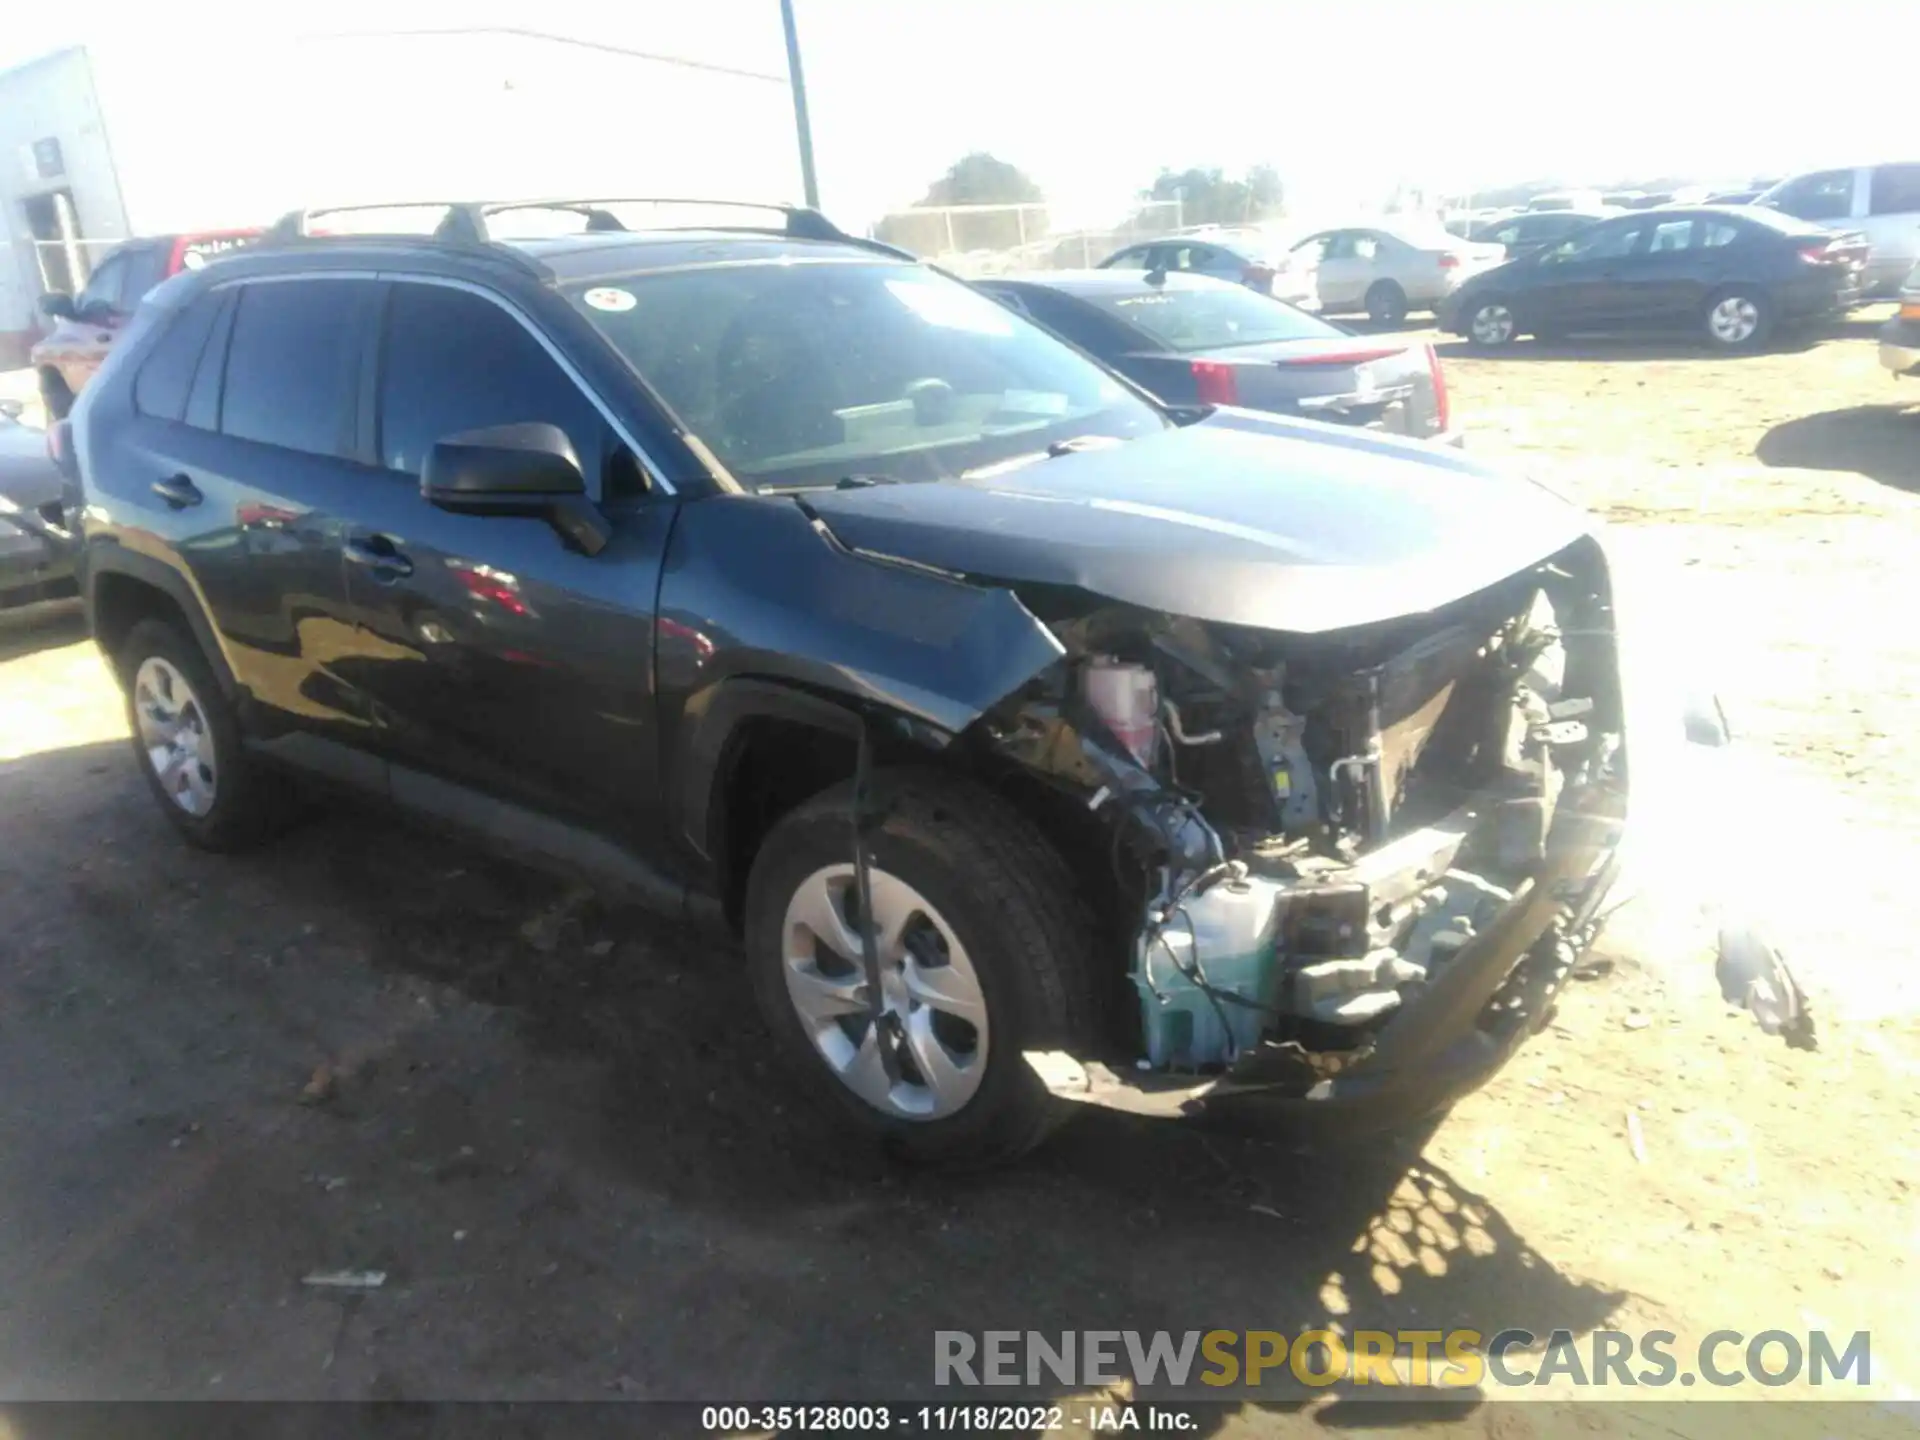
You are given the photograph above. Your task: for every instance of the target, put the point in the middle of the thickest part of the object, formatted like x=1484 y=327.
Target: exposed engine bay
x=1313 y=827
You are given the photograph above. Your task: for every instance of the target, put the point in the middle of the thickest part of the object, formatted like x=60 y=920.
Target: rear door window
x=166 y=376
x=106 y=286
x=1895 y=191
x=1826 y=195
x=453 y=361
x=293 y=364
x=1670 y=235
x=146 y=268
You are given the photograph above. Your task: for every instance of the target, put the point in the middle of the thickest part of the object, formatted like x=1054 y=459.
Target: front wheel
x=1738 y=320
x=983 y=950
x=1490 y=324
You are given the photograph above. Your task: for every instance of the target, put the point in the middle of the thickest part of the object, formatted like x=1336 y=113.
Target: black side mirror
x=526 y=469
x=58 y=305
x=97 y=312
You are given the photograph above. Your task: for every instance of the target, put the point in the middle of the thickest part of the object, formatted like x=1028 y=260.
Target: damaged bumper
x=1366 y=864
x=1444 y=1043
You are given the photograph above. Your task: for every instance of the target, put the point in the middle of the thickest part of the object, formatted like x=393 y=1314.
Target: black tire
x=1386 y=303
x=1010 y=900
x=55 y=395
x=1480 y=339
x=251 y=802
x=1736 y=294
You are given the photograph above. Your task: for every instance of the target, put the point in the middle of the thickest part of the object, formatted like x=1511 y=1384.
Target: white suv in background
x=1882 y=201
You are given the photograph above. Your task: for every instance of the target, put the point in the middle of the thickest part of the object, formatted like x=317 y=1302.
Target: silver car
x=1900 y=336
x=1388 y=269
x=1247 y=256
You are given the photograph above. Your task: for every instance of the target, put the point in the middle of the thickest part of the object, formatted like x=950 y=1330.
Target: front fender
x=763 y=613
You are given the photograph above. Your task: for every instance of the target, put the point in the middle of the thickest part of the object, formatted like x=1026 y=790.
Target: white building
x=99 y=144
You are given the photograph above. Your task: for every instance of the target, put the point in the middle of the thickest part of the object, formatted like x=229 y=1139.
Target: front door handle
x=178 y=492
x=377 y=554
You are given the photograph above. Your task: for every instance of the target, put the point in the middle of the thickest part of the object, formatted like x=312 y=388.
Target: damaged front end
x=1357 y=864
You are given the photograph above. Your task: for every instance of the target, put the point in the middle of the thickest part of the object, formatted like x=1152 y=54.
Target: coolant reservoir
x=1229 y=931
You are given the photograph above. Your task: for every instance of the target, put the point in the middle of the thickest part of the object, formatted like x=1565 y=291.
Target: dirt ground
x=555 y=1128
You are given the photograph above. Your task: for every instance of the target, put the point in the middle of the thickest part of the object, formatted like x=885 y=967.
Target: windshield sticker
x=606 y=297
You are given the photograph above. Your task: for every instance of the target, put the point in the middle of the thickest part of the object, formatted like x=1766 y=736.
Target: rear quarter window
x=165 y=378
x=1895 y=191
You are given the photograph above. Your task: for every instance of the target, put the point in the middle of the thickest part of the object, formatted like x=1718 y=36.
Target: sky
x=1093 y=97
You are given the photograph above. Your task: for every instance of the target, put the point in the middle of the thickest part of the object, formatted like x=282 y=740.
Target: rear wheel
x=1490 y=323
x=1738 y=319
x=983 y=949
x=188 y=744
x=1386 y=303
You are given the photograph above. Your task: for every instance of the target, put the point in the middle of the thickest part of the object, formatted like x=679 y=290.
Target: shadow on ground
x=556 y=1128
x=1881 y=442
x=45 y=626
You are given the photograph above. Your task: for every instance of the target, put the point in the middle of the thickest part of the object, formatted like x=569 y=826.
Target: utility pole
x=797 y=81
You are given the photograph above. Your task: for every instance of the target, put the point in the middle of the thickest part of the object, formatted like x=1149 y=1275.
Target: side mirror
x=527 y=469
x=58 y=305
x=97 y=312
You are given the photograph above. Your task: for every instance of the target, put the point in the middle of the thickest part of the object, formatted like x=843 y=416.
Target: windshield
x=798 y=374
x=1212 y=317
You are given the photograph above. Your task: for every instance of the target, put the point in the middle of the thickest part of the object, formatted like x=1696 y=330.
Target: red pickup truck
x=84 y=326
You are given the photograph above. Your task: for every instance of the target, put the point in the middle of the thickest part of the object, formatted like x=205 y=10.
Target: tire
x=1386 y=303
x=1490 y=323
x=986 y=890
x=1737 y=318
x=216 y=795
x=55 y=395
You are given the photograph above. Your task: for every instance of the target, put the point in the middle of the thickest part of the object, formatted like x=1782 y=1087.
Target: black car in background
x=1730 y=274
x=1524 y=234
x=1196 y=341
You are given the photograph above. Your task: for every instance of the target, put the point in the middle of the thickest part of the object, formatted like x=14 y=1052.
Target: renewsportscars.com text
x=1461 y=1358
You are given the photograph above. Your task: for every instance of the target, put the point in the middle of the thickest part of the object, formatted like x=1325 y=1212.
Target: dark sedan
x=1196 y=341
x=1731 y=275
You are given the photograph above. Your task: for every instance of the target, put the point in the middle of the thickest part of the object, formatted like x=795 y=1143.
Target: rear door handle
x=178 y=492
x=378 y=555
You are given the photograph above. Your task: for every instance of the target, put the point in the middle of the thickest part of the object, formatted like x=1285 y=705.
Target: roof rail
x=468 y=222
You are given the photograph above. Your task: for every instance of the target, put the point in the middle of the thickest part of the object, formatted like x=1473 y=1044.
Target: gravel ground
x=553 y=1127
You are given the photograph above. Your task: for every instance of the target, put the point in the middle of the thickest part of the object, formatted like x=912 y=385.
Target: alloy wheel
x=174 y=735
x=920 y=1053
x=1733 y=320
x=1492 y=324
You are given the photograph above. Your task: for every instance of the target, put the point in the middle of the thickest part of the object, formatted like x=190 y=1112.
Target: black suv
x=1042 y=743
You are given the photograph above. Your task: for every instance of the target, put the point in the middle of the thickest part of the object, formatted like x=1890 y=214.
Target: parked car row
x=1044 y=743
x=1383 y=270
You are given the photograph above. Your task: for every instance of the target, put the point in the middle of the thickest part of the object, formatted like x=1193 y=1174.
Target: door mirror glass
x=525 y=469
x=58 y=305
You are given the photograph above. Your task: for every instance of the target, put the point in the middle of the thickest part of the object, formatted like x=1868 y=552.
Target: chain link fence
x=977 y=240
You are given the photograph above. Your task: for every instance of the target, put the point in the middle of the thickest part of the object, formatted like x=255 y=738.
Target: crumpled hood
x=1242 y=519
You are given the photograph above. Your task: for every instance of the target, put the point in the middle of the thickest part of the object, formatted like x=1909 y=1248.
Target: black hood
x=1242 y=519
